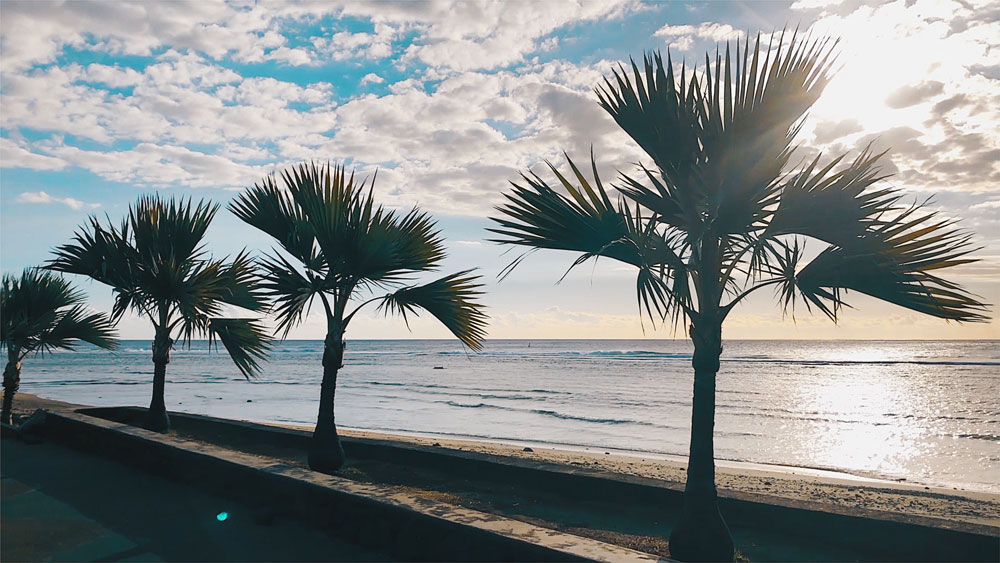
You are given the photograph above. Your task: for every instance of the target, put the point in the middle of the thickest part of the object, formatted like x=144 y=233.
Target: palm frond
x=787 y=258
x=290 y=291
x=105 y=255
x=328 y=198
x=835 y=207
x=750 y=118
x=239 y=284
x=587 y=222
x=273 y=211
x=659 y=112
x=893 y=263
x=77 y=325
x=453 y=300
x=169 y=231
x=359 y=240
x=40 y=312
x=537 y=216
x=676 y=208
x=720 y=142
x=245 y=340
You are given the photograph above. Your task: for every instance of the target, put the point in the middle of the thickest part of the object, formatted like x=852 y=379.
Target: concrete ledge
x=392 y=520
x=886 y=535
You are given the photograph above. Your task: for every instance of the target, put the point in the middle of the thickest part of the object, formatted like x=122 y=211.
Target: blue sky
x=449 y=100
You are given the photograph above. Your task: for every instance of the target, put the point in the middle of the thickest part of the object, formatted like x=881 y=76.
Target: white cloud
x=155 y=165
x=991 y=204
x=479 y=35
x=44 y=197
x=682 y=37
x=814 y=4
x=909 y=81
x=13 y=155
x=452 y=134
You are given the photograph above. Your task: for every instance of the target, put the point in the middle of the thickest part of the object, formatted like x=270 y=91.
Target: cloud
x=13 y=155
x=461 y=36
x=912 y=94
x=907 y=80
x=683 y=36
x=148 y=164
x=814 y=4
x=451 y=134
x=449 y=34
x=346 y=45
x=44 y=197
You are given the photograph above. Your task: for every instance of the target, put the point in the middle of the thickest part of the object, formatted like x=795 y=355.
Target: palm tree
x=40 y=312
x=156 y=265
x=343 y=245
x=720 y=217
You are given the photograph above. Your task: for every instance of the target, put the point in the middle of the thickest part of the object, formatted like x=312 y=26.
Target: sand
x=800 y=484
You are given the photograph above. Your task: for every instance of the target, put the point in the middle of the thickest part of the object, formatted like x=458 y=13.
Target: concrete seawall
x=404 y=525
x=886 y=535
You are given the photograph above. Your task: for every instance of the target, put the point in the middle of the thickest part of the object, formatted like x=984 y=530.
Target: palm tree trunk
x=11 y=383
x=326 y=454
x=157 y=419
x=702 y=534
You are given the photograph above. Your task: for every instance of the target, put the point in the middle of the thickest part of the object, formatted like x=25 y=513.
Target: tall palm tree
x=344 y=246
x=156 y=265
x=40 y=312
x=720 y=216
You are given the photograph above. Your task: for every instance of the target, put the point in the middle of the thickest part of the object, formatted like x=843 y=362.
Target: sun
x=887 y=57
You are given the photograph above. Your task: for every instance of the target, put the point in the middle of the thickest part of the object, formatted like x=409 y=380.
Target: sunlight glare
x=881 y=50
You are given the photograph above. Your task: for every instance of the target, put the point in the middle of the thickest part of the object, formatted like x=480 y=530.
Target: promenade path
x=59 y=504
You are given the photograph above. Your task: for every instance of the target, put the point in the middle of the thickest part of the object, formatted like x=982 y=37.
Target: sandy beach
x=797 y=484
x=784 y=482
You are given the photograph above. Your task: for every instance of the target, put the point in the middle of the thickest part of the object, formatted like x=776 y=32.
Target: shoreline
x=723 y=466
x=793 y=483
x=485 y=444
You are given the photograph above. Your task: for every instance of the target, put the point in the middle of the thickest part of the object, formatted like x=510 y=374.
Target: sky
x=449 y=101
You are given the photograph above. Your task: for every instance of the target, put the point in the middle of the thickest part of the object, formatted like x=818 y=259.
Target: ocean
x=926 y=412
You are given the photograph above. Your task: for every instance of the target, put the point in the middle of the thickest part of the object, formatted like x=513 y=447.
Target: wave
x=452 y=388
x=988 y=437
x=861 y=362
x=555 y=414
x=68 y=382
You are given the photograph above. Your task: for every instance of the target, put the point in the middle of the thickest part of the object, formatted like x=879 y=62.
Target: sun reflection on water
x=856 y=423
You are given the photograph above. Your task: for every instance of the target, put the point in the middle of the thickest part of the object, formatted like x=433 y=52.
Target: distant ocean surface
x=927 y=412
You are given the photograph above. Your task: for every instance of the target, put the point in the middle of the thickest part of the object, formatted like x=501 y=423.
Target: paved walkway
x=58 y=504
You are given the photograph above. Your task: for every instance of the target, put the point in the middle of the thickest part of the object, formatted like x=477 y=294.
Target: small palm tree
x=720 y=217
x=343 y=244
x=40 y=312
x=156 y=265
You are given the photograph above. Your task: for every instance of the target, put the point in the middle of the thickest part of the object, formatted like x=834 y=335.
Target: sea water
x=926 y=412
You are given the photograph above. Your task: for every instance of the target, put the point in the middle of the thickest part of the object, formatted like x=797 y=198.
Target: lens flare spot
x=222 y=516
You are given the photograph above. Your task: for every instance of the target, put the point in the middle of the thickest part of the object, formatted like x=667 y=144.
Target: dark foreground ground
x=59 y=504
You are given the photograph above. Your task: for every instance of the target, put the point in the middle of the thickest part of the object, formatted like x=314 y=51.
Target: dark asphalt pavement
x=59 y=504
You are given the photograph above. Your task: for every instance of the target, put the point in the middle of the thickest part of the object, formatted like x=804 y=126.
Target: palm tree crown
x=157 y=267
x=720 y=216
x=40 y=312
x=343 y=244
